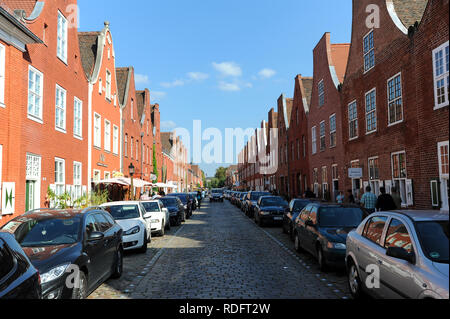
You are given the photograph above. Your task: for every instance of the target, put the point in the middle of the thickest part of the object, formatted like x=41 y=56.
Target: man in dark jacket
x=385 y=201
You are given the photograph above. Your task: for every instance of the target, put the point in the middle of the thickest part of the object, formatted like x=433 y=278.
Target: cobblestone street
x=221 y=254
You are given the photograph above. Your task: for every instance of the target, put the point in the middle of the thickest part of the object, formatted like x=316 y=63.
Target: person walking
x=369 y=200
x=340 y=198
x=350 y=197
x=396 y=197
x=385 y=202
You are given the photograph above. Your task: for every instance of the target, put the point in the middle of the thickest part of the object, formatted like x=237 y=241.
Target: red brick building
x=379 y=113
x=298 y=136
x=284 y=119
x=145 y=129
x=156 y=131
x=326 y=155
x=272 y=149
x=50 y=120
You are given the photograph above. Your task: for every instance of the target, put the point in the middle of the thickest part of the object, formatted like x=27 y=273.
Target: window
x=108 y=85
x=304 y=146
x=137 y=150
x=444 y=174
x=131 y=147
x=441 y=75
x=2 y=75
x=148 y=125
x=324 y=182
x=321 y=93
x=96 y=175
x=107 y=141
x=395 y=101
x=35 y=92
x=333 y=130
x=62 y=38
x=298 y=149
x=97 y=130
x=60 y=112
x=374 y=169
x=371 y=111
x=115 y=140
x=322 y=136
x=373 y=230
x=60 y=176
x=77 y=180
x=398 y=236
x=353 y=120
x=399 y=175
x=107 y=175
x=77 y=118
x=443 y=159
x=369 y=52
x=334 y=172
x=8 y=262
x=132 y=109
x=314 y=140
x=126 y=145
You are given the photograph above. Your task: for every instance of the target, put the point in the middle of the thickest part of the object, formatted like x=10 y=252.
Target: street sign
x=355 y=173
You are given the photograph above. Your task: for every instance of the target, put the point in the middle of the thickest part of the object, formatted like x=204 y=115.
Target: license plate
x=278 y=218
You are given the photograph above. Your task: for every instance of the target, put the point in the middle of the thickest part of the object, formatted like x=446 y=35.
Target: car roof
x=422 y=215
x=150 y=201
x=121 y=203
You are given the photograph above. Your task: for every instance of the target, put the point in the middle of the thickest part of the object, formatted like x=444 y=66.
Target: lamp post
x=132 y=171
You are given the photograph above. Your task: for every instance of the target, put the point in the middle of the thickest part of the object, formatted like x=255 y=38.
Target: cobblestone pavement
x=221 y=254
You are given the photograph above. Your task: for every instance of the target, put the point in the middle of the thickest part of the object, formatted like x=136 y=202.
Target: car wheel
x=162 y=231
x=321 y=260
x=143 y=249
x=297 y=245
x=118 y=265
x=354 y=281
x=81 y=291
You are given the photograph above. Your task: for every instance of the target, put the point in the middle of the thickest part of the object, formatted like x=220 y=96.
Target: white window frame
x=131 y=147
x=394 y=100
x=77 y=180
x=60 y=185
x=62 y=36
x=402 y=180
x=324 y=136
x=371 y=112
x=62 y=109
x=333 y=132
x=350 y=121
x=108 y=84
x=314 y=139
x=96 y=171
x=443 y=178
x=78 y=118
x=115 y=139
x=97 y=135
x=321 y=91
x=107 y=137
x=106 y=175
x=2 y=74
x=1 y=167
x=32 y=116
x=444 y=76
x=132 y=109
x=125 y=151
x=368 y=52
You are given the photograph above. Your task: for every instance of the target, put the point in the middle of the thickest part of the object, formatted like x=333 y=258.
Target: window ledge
x=2 y=105
x=353 y=139
x=371 y=132
x=395 y=123
x=60 y=130
x=437 y=107
x=35 y=119
x=62 y=60
x=78 y=137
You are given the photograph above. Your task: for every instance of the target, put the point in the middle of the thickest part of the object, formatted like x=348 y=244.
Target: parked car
x=187 y=204
x=176 y=209
x=295 y=207
x=135 y=222
x=270 y=209
x=234 y=197
x=217 y=195
x=19 y=279
x=194 y=200
x=160 y=216
x=321 y=229
x=60 y=243
x=241 y=201
x=410 y=250
x=251 y=201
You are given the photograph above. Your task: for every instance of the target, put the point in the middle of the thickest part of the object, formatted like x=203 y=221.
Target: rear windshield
x=151 y=207
x=121 y=212
x=169 y=202
x=182 y=197
x=274 y=201
x=256 y=196
x=299 y=205
x=6 y=260
x=217 y=191
x=434 y=238
x=340 y=217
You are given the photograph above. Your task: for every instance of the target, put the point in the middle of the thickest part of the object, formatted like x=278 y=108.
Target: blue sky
x=224 y=62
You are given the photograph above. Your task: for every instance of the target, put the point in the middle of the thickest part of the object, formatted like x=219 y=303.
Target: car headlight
x=155 y=221
x=265 y=213
x=132 y=231
x=336 y=246
x=185 y=206
x=54 y=273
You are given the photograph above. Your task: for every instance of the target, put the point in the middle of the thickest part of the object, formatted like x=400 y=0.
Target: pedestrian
x=340 y=198
x=350 y=197
x=385 y=202
x=396 y=197
x=369 y=200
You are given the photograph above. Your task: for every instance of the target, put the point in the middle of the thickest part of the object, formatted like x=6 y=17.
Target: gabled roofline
x=16 y=23
x=127 y=87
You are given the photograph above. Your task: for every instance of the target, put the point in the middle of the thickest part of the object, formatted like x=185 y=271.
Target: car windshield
x=169 y=202
x=340 y=217
x=151 y=207
x=217 y=191
x=274 y=201
x=299 y=205
x=434 y=238
x=182 y=197
x=33 y=232
x=121 y=212
x=256 y=196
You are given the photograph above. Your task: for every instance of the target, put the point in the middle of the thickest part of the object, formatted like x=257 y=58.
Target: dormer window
x=321 y=93
x=62 y=38
x=369 y=52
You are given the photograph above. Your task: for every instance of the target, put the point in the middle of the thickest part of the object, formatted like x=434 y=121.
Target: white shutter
x=388 y=187
x=409 y=193
x=435 y=192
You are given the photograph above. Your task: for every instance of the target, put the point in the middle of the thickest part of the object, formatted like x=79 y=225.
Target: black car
x=270 y=209
x=65 y=245
x=321 y=229
x=19 y=279
x=295 y=207
x=187 y=204
x=251 y=200
x=241 y=201
x=176 y=209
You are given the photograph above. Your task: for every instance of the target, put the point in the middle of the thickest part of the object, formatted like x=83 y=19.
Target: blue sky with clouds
x=224 y=62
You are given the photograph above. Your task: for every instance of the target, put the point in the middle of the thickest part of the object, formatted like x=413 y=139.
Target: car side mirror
x=401 y=253
x=95 y=236
x=147 y=215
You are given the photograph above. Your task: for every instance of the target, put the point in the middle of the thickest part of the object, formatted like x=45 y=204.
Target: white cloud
x=141 y=79
x=197 y=76
x=168 y=125
x=230 y=87
x=157 y=95
x=173 y=84
x=228 y=69
x=267 y=73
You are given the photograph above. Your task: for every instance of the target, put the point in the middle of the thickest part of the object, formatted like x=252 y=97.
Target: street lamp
x=132 y=171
